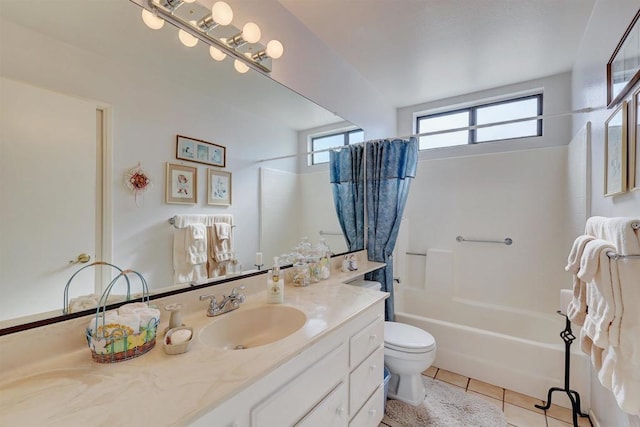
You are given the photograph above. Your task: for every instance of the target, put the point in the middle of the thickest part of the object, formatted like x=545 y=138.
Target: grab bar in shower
x=507 y=240
x=415 y=253
x=329 y=233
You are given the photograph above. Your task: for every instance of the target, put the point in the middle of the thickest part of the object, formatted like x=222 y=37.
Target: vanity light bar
x=255 y=55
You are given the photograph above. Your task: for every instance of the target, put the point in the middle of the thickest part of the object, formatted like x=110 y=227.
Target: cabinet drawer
x=365 y=341
x=331 y=412
x=364 y=380
x=293 y=400
x=372 y=412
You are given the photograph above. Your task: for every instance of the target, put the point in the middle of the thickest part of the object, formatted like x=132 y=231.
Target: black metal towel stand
x=568 y=337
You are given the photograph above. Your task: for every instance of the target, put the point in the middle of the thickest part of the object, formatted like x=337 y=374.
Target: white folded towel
x=617 y=230
x=149 y=316
x=577 y=309
x=223 y=231
x=596 y=272
x=196 y=244
x=183 y=271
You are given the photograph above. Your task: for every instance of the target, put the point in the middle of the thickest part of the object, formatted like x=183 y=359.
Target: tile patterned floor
x=519 y=410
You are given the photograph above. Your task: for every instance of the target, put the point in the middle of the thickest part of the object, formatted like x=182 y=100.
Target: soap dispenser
x=275 y=284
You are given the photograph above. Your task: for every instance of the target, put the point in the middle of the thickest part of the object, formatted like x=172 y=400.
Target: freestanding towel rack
x=568 y=337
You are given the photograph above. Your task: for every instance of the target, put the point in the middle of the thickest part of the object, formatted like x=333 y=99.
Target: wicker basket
x=116 y=344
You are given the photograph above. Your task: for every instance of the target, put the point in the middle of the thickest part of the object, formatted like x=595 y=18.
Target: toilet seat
x=407 y=339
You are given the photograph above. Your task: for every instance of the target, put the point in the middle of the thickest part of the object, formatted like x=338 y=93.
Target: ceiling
x=416 y=51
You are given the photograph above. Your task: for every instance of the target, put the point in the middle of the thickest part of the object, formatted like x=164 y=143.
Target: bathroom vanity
x=328 y=372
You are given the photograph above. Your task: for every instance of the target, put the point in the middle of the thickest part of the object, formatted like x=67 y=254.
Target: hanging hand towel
x=196 y=244
x=596 y=272
x=220 y=241
x=577 y=309
x=184 y=271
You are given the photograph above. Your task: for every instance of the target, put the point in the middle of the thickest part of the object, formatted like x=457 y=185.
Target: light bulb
x=151 y=20
x=240 y=67
x=222 y=13
x=275 y=49
x=187 y=39
x=217 y=54
x=251 y=32
x=188 y=1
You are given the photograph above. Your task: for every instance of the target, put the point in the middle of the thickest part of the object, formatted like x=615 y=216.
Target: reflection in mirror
x=87 y=92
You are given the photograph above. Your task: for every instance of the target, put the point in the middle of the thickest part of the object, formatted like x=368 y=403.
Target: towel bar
x=172 y=221
x=507 y=240
x=614 y=255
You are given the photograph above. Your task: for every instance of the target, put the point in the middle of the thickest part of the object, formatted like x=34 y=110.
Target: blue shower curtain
x=347 y=182
x=390 y=166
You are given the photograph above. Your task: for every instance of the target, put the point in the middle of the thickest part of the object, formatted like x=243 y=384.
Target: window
x=333 y=140
x=484 y=114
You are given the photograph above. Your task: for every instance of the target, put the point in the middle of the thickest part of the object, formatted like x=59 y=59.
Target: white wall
x=608 y=22
x=148 y=112
x=311 y=68
x=511 y=194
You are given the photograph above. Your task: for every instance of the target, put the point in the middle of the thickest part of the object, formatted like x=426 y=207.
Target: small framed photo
x=182 y=184
x=615 y=151
x=196 y=150
x=218 y=187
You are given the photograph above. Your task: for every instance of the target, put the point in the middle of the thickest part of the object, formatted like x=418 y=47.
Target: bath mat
x=445 y=406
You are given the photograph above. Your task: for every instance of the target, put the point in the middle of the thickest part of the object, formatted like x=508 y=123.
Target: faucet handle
x=209 y=297
x=235 y=290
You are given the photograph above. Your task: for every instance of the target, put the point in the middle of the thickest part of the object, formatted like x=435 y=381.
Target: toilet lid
x=403 y=337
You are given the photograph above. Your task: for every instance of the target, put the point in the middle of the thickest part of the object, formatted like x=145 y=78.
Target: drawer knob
x=373 y=367
x=340 y=411
x=372 y=412
x=373 y=336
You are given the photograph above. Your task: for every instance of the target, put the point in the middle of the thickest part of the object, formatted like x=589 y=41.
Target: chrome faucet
x=228 y=303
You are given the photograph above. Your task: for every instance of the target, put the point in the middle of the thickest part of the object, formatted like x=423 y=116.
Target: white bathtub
x=517 y=350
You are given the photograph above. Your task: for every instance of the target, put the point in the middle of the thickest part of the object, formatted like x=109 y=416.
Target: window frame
x=473 y=109
x=345 y=141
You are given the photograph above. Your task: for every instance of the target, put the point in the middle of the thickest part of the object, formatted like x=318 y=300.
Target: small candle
x=258 y=258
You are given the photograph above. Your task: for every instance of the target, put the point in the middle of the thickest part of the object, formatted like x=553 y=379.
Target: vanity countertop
x=159 y=389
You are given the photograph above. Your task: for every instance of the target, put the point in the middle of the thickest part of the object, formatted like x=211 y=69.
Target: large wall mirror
x=84 y=82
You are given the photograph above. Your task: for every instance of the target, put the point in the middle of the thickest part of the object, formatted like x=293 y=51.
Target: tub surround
x=48 y=377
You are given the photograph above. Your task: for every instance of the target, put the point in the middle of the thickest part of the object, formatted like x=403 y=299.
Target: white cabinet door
x=331 y=412
x=47 y=205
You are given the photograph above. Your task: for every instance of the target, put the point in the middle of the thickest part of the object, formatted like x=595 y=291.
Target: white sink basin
x=252 y=327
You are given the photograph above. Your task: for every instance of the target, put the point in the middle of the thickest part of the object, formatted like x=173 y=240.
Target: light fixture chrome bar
x=507 y=240
x=207 y=24
x=164 y=9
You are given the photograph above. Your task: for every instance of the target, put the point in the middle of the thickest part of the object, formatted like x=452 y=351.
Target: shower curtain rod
x=439 y=132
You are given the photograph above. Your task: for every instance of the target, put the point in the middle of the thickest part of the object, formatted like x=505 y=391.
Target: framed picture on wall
x=218 y=187
x=634 y=144
x=623 y=69
x=182 y=184
x=196 y=150
x=615 y=151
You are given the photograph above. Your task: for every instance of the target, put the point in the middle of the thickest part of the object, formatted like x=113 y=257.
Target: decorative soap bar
x=180 y=336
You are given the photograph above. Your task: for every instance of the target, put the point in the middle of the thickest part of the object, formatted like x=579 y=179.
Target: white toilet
x=408 y=351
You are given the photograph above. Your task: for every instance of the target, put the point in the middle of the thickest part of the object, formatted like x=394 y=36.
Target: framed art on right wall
x=615 y=151
x=634 y=145
x=623 y=69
